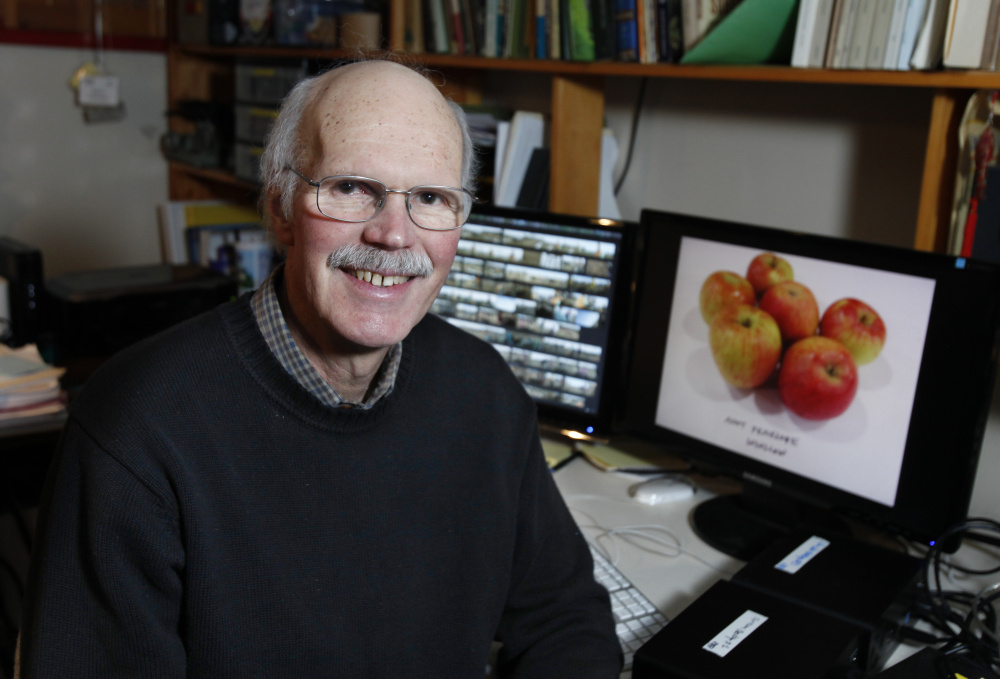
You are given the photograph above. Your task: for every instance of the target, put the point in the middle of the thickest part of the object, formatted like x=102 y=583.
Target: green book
x=755 y=32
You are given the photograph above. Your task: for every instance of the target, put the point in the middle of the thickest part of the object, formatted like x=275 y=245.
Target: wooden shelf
x=577 y=92
x=957 y=79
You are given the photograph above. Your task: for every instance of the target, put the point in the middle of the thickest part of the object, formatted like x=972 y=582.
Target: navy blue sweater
x=207 y=517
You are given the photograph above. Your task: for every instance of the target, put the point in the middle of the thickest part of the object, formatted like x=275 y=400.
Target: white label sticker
x=738 y=630
x=802 y=555
x=98 y=90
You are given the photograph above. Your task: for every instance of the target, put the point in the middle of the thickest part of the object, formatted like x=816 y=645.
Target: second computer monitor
x=550 y=292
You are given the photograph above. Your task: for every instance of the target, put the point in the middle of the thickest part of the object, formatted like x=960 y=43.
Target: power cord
x=633 y=133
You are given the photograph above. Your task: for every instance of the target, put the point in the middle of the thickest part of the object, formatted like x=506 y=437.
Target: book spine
x=880 y=33
x=895 y=39
x=541 y=29
x=845 y=33
x=581 y=36
x=915 y=12
x=803 y=33
x=821 y=33
x=628 y=36
x=649 y=26
x=602 y=19
x=491 y=18
x=857 y=57
x=669 y=31
x=640 y=29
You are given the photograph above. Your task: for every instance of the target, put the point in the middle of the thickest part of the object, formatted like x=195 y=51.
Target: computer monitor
x=891 y=436
x=551 y=293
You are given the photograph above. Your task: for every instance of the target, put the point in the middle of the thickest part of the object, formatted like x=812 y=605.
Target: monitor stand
x=744 y=524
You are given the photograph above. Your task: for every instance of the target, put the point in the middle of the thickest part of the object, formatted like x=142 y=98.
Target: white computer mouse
x=661 y=490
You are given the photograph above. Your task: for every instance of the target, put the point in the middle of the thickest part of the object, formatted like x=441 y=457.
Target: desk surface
x=602 y=506
x=671 y=579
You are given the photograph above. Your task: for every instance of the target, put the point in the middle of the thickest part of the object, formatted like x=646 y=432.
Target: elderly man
x=319 y=480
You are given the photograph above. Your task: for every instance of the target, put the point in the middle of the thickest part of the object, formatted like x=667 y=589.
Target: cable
x=653 y=538
x=633 y=133
x=964 y=623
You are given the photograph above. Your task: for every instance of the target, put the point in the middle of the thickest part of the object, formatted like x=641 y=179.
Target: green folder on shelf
x=755 y=32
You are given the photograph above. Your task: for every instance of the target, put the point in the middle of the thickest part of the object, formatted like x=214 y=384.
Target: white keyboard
x=636 y=617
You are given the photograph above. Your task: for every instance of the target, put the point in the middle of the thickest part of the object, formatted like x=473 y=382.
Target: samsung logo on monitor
x=757 y=479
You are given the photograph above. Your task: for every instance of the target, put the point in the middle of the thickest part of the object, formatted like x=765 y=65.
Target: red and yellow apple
x=767 y=269
x=745 y=344
x=794 y=308
x=818 y=378
x=722 y=289
x=857 y=326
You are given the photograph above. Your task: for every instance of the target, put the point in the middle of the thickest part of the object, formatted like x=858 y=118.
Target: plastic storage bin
x=261 y=84
x=253 y=122
x=246 y=161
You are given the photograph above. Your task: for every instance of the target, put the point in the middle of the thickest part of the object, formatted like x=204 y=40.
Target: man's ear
x=282 y=226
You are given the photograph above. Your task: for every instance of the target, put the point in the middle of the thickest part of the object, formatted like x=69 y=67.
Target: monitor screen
x=551 y=293
x=830 y=376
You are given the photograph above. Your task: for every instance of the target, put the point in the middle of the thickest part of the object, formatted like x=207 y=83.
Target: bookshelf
x=577 y=107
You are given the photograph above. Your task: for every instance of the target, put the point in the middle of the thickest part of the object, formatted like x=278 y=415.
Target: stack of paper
x=29 y=387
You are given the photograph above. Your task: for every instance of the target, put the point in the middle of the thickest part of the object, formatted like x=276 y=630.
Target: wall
x=835 y=160
x=85 y=194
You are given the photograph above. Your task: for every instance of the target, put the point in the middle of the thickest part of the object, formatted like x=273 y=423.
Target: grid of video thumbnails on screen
x=541 y=295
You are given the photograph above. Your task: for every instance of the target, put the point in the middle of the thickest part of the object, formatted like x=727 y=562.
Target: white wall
x=83 y=193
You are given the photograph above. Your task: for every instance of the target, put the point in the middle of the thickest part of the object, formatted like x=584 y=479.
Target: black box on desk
x=856 y=581
x=21 y=266
x=735 y=631
x=93 y=314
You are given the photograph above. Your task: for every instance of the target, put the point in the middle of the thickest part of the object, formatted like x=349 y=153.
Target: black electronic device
x=21 y=267
x=552 y=293
x=95 y=313
x=733 y=631
x=903 y=454
x=867 y=585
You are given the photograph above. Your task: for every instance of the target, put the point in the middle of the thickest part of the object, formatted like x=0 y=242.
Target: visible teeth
x=379 y=279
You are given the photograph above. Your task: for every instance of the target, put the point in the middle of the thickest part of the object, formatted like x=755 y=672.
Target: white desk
x=600 y=502
x=599 y=498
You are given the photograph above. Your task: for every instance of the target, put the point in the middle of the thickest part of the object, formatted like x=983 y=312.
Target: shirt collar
x=274 y=328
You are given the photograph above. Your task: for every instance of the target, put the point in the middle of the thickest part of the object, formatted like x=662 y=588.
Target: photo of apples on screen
x=807 y=365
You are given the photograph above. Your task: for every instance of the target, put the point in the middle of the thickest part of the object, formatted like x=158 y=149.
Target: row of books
x=897 y=34
x=647 y=31
x=219 y=235
x=521 y=165
x=839 y=34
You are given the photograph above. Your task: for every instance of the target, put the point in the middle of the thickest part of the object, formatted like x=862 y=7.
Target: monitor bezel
x=939 y=462
x=565 y=421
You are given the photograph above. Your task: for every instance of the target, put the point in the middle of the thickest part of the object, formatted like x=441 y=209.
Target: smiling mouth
x=378 y=279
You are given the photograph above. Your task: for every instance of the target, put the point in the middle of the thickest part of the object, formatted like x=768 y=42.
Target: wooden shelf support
x=940 y=162
x=575 y=142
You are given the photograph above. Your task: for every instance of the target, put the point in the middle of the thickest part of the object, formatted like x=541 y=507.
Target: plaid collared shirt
x=272 y=325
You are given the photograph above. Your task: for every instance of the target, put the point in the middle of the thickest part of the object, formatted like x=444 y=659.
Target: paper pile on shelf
x=29 y=387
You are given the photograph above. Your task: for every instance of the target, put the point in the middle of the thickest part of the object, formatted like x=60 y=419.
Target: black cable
x=633 y=134
x=964 y=622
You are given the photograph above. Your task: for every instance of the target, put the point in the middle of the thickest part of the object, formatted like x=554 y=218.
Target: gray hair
x=284 y=146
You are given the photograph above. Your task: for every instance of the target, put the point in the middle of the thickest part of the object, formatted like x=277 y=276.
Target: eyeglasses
x=348 y=198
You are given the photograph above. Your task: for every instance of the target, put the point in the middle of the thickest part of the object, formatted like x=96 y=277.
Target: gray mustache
x=395 y=262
